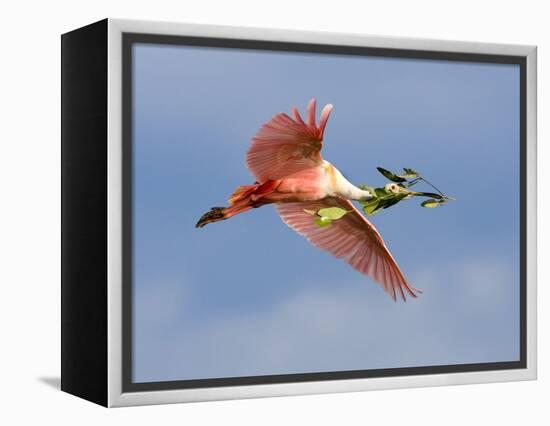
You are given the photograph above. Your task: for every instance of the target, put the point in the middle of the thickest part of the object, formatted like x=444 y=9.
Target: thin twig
x=412 y=182
x=433 y=186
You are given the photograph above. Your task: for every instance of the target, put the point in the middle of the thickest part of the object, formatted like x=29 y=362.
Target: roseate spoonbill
x=285 y=157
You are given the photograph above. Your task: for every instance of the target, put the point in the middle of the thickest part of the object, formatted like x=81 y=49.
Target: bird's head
x=394 y=188
x=398 y=189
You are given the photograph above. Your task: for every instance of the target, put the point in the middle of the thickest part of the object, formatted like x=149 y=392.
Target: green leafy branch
x=396 y=190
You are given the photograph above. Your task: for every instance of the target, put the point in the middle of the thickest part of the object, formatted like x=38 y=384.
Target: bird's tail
x=244 y=198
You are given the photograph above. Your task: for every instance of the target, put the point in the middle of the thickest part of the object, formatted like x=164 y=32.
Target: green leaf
x=332 y=213
x=380 y=192
x=409 y=174
x=390 y=201
x=391 y=176
x=430 y=204
x=323 y=221
x=371 y=207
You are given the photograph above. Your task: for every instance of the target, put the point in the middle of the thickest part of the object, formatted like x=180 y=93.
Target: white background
x=30 y=194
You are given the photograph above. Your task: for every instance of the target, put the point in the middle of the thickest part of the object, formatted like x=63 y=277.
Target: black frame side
x=84 y=212
x=131 y=38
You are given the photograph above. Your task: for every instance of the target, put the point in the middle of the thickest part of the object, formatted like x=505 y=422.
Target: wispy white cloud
x=332 y=326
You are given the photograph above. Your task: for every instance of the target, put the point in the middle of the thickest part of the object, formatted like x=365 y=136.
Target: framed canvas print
x=251 y=213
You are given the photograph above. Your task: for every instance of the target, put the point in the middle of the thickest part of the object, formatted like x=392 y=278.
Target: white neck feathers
x=343 y=187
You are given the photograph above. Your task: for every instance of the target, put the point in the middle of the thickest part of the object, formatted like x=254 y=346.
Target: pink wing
x=352 y=238
x=286 y=145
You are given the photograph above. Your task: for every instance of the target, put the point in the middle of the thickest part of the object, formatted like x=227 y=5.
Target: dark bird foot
x=214 y=215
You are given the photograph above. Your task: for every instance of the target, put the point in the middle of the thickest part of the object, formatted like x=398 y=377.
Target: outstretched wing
x=286 y=145
x=352 y=238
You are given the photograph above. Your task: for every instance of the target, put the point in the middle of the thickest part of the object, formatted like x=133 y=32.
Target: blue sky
x=248 y=296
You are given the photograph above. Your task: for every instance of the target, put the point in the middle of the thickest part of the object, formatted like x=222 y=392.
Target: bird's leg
x=215 y=214
x=221 y=213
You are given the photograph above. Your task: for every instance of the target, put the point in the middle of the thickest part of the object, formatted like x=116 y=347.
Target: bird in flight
x=285 y=158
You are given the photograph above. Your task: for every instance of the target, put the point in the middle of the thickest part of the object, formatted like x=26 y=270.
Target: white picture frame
x=109 y=37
